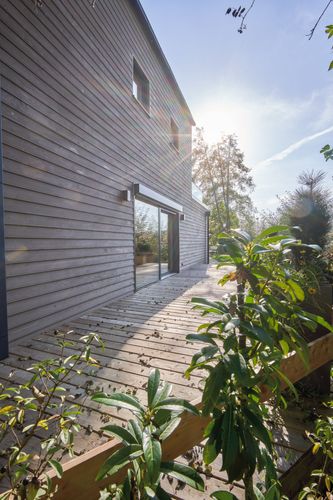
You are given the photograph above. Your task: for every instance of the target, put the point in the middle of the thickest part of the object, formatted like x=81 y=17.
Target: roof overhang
x=146 y=194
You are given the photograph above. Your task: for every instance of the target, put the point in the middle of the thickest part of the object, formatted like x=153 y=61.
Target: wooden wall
x=73 y=138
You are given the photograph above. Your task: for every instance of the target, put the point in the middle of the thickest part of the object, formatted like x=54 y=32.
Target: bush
x=40 y=412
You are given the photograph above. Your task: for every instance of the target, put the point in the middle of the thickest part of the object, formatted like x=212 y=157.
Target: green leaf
x=183 y=473
x=119 y=400
x=211 y=392
x=259 y=430
x=168 y=428
x=206 y=354
x=258 y=494
x=161 y=494
x=213 y=432
x=127 y=486
x=175 y=404
x=150 y=492
x=288 y=383
x=118 y=460
x=329 y=30
x=230 y=439
x=120 y=432
x=152 y=452
x=210 y=451
x=241 y=235
x=223 y=495
x=201 y=337
x=250 y=447
x=270 y=231
x=257 y=333
x=259 y=249
x=277 y=238
x=163 y=392
x=57 y=467
x=237 y=366
x=273 y=493
x=135 y=429
x=319 y=320
x=233 y=249
x=153 y=385
x=330 y=66
x=225 y=279
x=219 y=307
x=296 y=289
x=284 y=346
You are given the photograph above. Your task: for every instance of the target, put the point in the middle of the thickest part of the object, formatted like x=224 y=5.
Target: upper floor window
x=174 y=134
x=140 y=86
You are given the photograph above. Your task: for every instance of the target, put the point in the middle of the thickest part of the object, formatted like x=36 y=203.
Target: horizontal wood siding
x=74 y=137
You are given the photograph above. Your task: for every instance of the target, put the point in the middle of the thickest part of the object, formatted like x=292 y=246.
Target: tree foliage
x=225 y=180
x=243 y=346
x=309 y=207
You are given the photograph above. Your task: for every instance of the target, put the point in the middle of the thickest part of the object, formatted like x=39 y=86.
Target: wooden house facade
x=95 y=162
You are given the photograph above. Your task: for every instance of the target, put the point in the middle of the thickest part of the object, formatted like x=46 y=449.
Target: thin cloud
x=293 y=147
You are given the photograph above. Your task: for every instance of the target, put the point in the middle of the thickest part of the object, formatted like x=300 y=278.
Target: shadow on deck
x=144 y=331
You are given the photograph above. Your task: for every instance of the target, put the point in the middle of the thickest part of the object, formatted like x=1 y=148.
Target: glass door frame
x=174 y=258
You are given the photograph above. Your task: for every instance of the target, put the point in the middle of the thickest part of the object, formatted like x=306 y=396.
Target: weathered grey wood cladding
x=74 y=137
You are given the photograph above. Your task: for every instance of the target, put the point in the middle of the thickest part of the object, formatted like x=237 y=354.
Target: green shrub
x=39 y=412
x=142 y=443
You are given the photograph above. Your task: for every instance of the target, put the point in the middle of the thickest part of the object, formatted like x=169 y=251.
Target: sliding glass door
x=164 y=243
x=155 y=247
x=146 y=244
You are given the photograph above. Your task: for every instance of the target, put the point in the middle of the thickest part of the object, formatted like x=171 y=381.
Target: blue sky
x=269 y=85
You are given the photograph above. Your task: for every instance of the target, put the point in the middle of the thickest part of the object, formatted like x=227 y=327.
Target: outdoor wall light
x=126 y=195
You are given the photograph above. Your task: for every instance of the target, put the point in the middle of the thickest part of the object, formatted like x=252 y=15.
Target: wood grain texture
x=141 y=332
x=73 y=139
x=188 y=434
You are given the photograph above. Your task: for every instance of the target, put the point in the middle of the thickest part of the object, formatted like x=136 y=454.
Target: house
x=96 y=162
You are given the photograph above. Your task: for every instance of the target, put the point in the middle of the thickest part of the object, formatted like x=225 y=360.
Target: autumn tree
x=225 y=180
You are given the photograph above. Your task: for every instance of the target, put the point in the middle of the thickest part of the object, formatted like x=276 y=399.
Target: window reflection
x=146 y=243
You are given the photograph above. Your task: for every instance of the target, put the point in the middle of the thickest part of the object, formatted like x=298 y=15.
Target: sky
x=269 y=85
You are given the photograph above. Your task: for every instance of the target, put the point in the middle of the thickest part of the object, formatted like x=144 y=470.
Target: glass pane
x=146 y=244
x=165 y=257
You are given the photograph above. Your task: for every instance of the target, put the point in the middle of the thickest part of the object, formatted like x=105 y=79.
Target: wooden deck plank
x=141 y=332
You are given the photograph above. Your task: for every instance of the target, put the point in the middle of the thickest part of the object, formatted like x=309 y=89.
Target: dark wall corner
x=3 y=293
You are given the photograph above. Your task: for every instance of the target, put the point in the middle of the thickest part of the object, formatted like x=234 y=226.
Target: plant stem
x=321 y=477
x=240 y=303
x=249 y=490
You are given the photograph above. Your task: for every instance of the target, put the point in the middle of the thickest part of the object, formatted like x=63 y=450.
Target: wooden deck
x=141 y=332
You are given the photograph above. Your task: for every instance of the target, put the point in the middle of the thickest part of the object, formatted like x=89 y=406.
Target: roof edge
x=136 y=4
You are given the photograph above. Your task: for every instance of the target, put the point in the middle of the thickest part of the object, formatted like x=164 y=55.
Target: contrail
x=290 y=149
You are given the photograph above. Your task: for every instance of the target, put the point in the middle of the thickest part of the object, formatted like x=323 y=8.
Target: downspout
x=3 y=290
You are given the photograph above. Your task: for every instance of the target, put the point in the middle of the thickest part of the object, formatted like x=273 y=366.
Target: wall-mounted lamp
x=181 y=216
x=126 y=195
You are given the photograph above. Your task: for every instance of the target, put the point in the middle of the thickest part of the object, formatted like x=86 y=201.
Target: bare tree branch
x=310 y=35
x=243 y=25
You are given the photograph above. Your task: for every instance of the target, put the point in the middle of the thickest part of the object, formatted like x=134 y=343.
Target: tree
x=309 y=208
x=225 y=180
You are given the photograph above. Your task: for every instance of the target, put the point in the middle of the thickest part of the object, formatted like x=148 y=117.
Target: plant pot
x=144 y=258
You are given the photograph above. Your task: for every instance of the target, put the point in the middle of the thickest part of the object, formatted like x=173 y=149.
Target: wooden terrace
x=144 y=331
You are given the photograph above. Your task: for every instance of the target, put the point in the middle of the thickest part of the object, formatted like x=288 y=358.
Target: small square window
x=174 y=134
x=140 y=86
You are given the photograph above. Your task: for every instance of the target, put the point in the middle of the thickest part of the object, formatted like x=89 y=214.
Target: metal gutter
x=3 y=290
